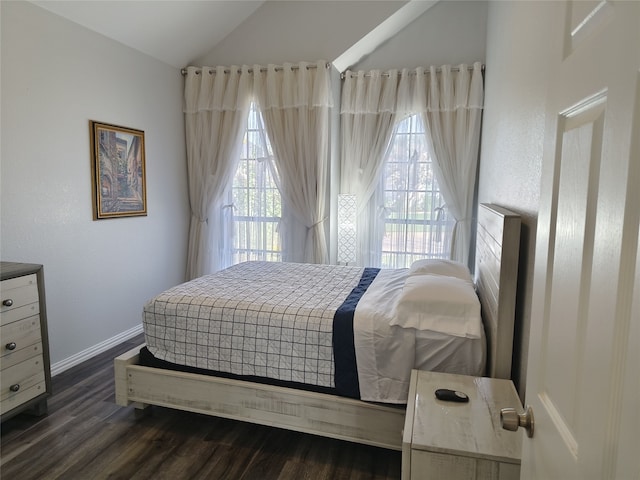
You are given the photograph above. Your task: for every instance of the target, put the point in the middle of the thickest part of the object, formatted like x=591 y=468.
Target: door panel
x=580 y=137
x=584 y=340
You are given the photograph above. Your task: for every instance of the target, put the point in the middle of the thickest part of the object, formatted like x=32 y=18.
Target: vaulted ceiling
x=174 y=32
x=178 y=31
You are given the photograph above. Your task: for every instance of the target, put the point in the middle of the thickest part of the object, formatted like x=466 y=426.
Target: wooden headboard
x=496 y=278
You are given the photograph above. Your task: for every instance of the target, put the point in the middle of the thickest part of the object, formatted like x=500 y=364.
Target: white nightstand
x=448 y=440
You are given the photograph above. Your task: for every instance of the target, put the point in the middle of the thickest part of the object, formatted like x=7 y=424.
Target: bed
x=314 y=389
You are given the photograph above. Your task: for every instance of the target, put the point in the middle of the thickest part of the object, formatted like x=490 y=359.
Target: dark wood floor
x=87 y=436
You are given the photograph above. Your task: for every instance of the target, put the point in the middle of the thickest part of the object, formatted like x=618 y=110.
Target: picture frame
x=118 y=170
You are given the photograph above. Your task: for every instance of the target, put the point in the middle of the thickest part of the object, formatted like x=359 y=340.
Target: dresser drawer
x=19 y=313
x=23 y=395
x=22 y=376
x=20 y=341
x=20 y=334
x=18 y=298
x=21 y=355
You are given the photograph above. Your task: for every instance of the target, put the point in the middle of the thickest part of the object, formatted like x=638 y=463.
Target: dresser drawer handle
x=15 y=387
x=8 y=302
x=11 y=346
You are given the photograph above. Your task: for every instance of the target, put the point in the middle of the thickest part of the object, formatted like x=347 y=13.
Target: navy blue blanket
x=344 y=352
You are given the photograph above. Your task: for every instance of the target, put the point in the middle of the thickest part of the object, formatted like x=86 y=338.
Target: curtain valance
x=419 y=90
x=306 y=85
x=216 y=89
x=282 y=86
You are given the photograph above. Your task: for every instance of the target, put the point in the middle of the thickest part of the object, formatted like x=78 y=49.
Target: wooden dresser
x=25 y=376
x=459 y=441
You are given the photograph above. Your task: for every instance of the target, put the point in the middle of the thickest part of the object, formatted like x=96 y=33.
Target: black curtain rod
x=262 y=69
x=343 y=75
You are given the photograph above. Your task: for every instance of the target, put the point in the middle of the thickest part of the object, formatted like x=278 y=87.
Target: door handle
x=512 y=420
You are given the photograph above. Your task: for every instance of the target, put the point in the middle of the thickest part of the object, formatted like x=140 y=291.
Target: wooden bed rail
x=309 y=412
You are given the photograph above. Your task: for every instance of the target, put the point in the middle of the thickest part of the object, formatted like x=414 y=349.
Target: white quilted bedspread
x=256 y=318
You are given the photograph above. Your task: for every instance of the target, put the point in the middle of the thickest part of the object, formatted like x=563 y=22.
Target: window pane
x=255 y=197
x=416 y=222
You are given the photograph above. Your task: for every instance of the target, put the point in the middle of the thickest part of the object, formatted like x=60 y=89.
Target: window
x=416 y=223
x=255 y=197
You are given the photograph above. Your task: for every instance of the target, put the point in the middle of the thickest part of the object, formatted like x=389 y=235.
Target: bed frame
x=380 y=425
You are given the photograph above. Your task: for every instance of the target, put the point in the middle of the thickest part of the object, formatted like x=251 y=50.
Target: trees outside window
x=416 y=223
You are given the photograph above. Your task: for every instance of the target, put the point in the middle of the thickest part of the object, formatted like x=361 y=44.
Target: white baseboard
x=90 y=352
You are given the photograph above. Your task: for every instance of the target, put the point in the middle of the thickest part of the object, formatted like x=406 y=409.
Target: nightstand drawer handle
x=15 y=387
x=511 y=420
x=8 y=302
x=11 y=346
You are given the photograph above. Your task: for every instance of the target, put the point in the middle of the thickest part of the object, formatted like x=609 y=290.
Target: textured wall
x=513 y=136
x=450 y=32
x=56 y=76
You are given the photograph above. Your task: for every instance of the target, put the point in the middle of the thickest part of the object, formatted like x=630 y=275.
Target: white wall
x=56 y=76
x=513 y=135
x=294 y=31
x=450 y=32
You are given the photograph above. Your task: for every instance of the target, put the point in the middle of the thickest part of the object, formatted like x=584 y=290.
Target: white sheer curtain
x=294 y=101
x=215 y=105
x=368 y=115
x=452 y=112
x=450 y=101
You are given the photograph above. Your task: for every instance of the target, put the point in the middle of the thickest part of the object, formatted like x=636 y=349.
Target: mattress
x=322 y=327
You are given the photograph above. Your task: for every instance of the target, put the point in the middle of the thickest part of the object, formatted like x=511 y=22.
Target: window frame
x=256 y=160
x=407 y=146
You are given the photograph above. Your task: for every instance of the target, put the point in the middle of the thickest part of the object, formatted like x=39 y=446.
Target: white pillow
x=440 y=304
x=434 y=266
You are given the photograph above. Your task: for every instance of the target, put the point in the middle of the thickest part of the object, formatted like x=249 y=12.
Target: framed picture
x=118 y=170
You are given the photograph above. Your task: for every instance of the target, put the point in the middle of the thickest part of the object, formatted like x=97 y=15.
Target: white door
x=584 y=365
